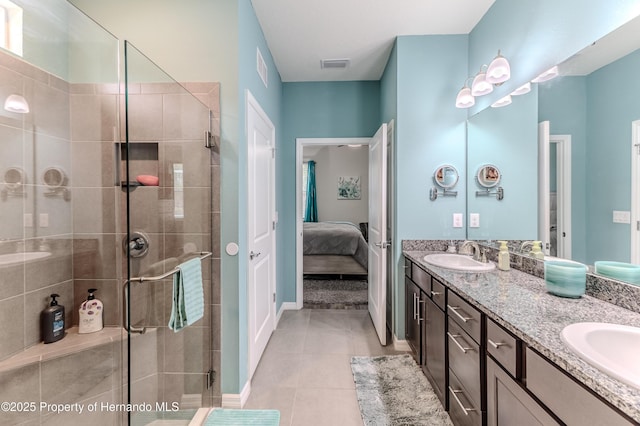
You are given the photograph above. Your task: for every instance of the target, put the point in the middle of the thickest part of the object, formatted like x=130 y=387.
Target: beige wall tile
x=93 y=117
x=93 y=164
x=49 y=109
x=12 y=333
x=21 y=384
x=95 y=256
x=94 y=210
x=184 y=117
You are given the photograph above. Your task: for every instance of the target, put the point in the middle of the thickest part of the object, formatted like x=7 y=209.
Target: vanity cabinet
x=466 y=361
x=414 y=311
x=435 y=362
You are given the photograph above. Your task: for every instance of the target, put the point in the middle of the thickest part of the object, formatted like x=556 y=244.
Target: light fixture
x=465 y=99
x=498 y=70
x=354 y=145
x=547 y=75
x=525 y=88
x=502 y=102
x=16 y=103
x=480 y=85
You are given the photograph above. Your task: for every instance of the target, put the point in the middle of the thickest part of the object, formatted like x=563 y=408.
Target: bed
x=336 y=248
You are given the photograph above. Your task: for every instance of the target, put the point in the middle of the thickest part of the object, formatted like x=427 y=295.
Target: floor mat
x=335 y=294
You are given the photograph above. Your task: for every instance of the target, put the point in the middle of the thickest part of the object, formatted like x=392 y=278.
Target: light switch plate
x=457 y=220
x=43 y=220
x=474 y=220
x=621 y=216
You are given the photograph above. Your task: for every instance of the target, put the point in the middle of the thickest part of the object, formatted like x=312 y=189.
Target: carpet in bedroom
x=335 y=293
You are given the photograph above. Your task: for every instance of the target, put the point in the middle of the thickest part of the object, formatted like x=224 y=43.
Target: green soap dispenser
x=52 y=321
x=504 y=263
x=536 y=250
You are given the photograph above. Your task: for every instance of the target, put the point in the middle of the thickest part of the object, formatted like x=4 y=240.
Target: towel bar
x=125 y=293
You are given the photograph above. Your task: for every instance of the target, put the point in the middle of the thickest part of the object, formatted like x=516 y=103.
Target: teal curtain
x=311 y=209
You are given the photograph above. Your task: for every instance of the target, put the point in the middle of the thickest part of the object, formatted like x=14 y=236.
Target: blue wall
x=506 y=137
x=563 y=102
x=315 y=110
x=430 y=131
x=612 y=104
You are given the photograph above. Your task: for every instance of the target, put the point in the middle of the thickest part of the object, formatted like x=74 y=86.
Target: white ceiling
x=300 y=33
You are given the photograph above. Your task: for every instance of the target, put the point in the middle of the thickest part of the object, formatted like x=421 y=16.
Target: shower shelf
x=141 y=330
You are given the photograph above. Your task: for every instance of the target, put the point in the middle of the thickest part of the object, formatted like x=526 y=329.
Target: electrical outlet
x=27 y=220
x=474 y=220
x=457 y=220
x=621 y=216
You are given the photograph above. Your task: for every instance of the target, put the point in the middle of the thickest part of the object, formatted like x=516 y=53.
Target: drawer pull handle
x=462 y=348
x=496 y=345
x=455 y=396
x=415 y=307
x=436 y=293
x=454 y=309
x=420 y=319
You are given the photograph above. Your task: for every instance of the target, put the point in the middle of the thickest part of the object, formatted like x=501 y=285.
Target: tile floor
x=305 y=371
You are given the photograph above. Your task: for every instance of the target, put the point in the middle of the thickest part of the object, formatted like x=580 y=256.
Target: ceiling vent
x=334 y=63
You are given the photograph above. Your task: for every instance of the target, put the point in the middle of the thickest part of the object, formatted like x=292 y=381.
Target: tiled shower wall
x=72 y=127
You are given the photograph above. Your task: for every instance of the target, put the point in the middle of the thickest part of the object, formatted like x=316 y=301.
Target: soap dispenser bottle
x=504 y=264
x=52 y=321
x=536 y=250
x=90 y=314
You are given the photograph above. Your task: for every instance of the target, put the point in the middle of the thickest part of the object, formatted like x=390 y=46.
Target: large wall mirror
x=590 y=107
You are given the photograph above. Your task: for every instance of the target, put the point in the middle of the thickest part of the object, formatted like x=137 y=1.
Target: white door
x=635 y=192
x=260 y=230
x=544 y=224
x=378 y=232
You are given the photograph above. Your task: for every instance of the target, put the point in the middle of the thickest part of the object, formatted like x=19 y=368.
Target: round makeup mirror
x=488 y=176
x=446 y=176
x=14 y=178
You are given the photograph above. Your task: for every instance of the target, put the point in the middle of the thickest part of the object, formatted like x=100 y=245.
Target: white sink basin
x=611 y=348
x=458 y=262
x=11 y=258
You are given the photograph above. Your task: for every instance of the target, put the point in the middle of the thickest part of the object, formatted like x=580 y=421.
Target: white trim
x=234 y=400
x=635 y=189
x=391 y=220
x=300 y=144
x=563 y=176
x=201 y=416
x=400 y=345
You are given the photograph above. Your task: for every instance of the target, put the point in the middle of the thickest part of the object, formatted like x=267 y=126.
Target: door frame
x=635 y=192
x=563 y=177
x=252 y=103
x=300 y=144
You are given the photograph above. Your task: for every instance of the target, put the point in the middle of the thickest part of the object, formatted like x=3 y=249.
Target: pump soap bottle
x=536 y=250
x=503 y=257
x=90 y=314
x=52 y=321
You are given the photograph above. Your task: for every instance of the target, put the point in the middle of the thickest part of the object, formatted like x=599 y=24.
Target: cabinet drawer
x=572 y=403
x=464 y=360
x=503 y=347
x=407 y=267
x=438 y=293
x=421 y=278
x=462 y=409
x=465 y=315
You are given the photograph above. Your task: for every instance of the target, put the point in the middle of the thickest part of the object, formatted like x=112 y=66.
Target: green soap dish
x=621 y=271
x=565 y=279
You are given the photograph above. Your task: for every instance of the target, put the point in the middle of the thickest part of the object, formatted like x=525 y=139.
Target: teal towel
x=227 y=417
x=188 y=295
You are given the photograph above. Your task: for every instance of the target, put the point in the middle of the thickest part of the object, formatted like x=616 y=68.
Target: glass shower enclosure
x=106 y=182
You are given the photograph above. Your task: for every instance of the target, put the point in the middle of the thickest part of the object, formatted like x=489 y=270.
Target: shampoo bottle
x=52 y=321
x=503 y=257
x=536 y=250
x=90 y=314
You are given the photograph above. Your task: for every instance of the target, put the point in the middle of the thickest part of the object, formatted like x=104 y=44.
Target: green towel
x=188 y=295
x=227 y=417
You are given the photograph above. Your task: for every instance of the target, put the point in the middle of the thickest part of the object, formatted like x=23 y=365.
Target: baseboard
x=286 y=306
x=234 y=400
x=400 y=345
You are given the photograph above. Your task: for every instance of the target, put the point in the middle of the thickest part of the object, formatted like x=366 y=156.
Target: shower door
x=165 y=180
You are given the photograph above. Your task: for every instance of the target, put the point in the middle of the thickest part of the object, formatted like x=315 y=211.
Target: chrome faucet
x=524 y=245
x=466 y=246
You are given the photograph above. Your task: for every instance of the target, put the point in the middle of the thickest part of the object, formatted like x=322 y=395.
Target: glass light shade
x=525 y=88
x=16 y=103
x=547 y=75
x=498 y=70
x=464 y=98
x=502 y=102
x=480 y=86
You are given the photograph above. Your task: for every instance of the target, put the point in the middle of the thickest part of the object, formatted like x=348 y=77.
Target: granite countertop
x=520 y=303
